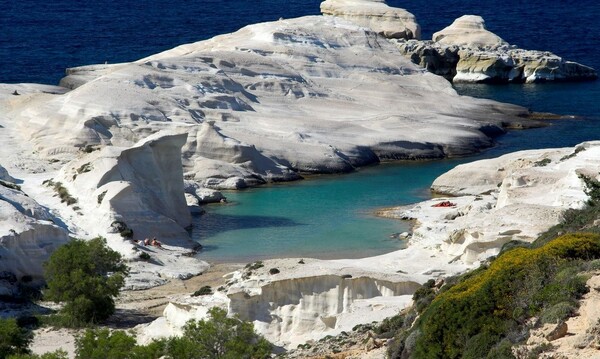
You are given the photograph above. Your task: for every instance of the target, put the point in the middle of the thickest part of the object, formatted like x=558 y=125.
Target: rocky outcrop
x=512 y=197
x=466 y=52
x=302 y=302
x=468 y=31
x=140 y=186
x=28 y=235
x=316 y=94
x=391 y=22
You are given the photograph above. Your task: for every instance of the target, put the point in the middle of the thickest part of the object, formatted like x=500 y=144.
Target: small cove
x=331 y=216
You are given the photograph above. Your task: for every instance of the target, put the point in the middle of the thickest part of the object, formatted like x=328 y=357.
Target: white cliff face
x=391 y=22
x=314 y=94
x=141 y=186
x=467 y=52
x=303 y=302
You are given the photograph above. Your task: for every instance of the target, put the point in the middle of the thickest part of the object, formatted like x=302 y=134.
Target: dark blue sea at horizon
x=329 y=217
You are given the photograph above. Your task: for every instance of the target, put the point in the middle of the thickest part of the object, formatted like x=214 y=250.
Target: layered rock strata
x=466 y=52
x=391 y=22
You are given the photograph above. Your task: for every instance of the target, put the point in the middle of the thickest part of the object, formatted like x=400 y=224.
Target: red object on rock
x=444 y=204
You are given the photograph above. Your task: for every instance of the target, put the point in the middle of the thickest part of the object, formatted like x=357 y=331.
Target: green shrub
x=254 y=266
x=218 y=337
x=144 y=256
x=273 y=271
x=58 y=354
x=101 y=196
x=13 y=338
x=558 y=312
x=86 y=276
x=86 y=167
x=542 y=163
x=206 y=290
x=477 y=312
x=10 y=185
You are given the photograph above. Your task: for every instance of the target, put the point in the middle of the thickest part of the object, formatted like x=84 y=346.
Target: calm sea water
x=330 y=216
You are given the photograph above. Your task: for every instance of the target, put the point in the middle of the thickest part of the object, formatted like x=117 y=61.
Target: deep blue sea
x=330 y=216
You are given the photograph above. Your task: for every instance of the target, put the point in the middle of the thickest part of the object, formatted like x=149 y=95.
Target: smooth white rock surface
x=391 y=22
x=468 y=31
x=314 y=94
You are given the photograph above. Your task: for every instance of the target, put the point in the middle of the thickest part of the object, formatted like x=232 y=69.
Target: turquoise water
x=332 y=216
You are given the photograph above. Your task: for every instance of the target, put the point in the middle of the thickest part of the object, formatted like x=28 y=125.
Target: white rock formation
x=314 y=94
x=512 y=197
x=468 y=31
x=466 y=52
x=304 y=301
x=28 y=236
x=141 y=186
x=391 y=22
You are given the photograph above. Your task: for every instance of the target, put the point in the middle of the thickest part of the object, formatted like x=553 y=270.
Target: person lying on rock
x=156 y=243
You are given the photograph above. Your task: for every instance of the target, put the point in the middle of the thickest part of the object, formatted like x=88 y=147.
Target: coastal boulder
x=391 y=22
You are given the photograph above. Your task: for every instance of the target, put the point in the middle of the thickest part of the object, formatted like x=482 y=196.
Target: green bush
x=58 y=354
x=558 y=312
x=206 y=290
x=254 y=266
x=477 y=313
x=218 y=337
x=106 y=344
x=13 y=338
x=86 y=276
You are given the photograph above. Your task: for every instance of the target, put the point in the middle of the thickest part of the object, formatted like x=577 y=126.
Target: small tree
x=117 y=344
x=13 y=339
x=86 y=276
x=218 y=337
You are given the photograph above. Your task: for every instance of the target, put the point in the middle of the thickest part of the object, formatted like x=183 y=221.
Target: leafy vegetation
x=85 y=276
x=62 y=191
x=206 y=290
x=542 y=163
x=104 y=344
x=10 y=185
x=254 y=266
x=13 y=338
x=58 y=354
x=218 y=337
x=483 y=313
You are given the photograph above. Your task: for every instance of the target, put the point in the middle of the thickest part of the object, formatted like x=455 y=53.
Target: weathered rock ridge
x=466 y=52
x=314 y=94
